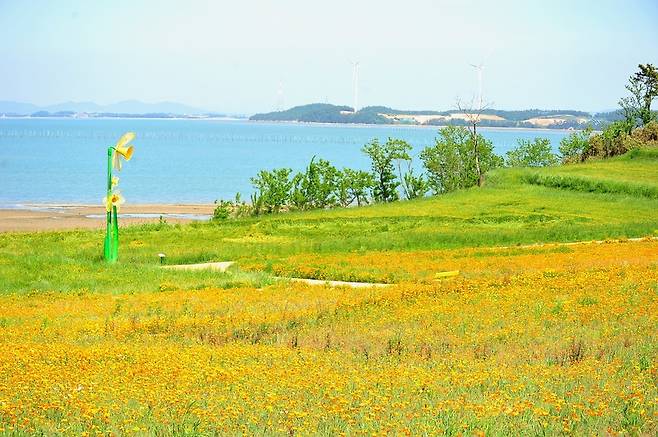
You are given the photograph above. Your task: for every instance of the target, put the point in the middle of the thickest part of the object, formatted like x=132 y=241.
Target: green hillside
x=511 y=209
x=327 y=113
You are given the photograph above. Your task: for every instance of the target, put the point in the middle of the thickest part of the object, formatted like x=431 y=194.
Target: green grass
x=506 y=211
x=635 y=173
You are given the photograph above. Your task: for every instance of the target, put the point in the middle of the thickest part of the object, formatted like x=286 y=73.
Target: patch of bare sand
x=62 y=217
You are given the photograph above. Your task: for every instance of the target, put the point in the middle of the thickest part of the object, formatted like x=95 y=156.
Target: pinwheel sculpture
x=113 y=200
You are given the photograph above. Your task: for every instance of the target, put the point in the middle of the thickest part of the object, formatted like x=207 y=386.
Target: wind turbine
x=479 y=69
x=279 y=97
x=355 y=84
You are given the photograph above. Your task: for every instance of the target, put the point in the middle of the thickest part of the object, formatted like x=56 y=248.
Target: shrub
x=273 y=189
x=236 y=208
x=383 y=171
x=573 y=147
x=535 y=153
x=223 y=210
x=646 y=135
x=316 y=187
x=353 y=186
x=613 y=141
x=414 y=186
x=450 y=162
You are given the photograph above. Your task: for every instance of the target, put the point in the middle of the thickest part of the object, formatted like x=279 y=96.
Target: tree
x=315 y=188
x=473 y=116
x=353 y=186
x=611 y=142
x=574 y=147
x=414 y=186
x=273 y=189
x=535 y=153
x=643 y=86
x=383 y=171
x=451 y=162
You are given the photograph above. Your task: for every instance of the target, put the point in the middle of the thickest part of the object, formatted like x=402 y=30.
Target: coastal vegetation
x=527 y=305
x=531 y=335
x=641 y=86
x=530 y=118
x=459 y=159
x=450 y=164
x=327 y=113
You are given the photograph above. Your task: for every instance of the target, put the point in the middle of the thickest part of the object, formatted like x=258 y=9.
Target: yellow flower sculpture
x=122 y=148
x=114 y=199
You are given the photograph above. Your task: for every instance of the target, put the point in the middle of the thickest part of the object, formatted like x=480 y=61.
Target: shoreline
x=299 y=123
x=401 y=125
x=63 y=216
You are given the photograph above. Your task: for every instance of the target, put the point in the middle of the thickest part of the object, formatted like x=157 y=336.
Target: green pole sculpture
x=113 y=200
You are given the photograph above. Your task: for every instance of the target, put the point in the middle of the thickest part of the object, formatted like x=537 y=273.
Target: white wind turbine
x=279 y=97
x=479 y=69
x=355 y=84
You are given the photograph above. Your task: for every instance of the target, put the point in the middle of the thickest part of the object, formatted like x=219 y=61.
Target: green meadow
x=606 y=199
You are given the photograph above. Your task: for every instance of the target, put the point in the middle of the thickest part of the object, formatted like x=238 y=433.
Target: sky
x=254 y=55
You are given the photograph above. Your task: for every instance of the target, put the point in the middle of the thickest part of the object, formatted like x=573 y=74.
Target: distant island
x=529 y=118
x=319 y=113
x=124 y=109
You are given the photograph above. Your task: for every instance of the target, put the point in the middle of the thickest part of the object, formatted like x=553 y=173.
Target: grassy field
x=533 y=337
x=634 y=173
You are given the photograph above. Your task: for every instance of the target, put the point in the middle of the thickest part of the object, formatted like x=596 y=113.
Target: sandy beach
x=48 y=217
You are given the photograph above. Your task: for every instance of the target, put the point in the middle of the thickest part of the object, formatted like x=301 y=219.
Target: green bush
x=613 y=141
x=316 y=187
x=353 y=186
x=535 y=153
x=272 y=189
x=382 y=157
x=450 y=162
x=223 y=210
x=573 y=147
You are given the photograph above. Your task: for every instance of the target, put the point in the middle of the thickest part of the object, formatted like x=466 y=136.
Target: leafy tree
x=315 y=187
x=613 y=141
x=273 y=189
x=573 y=147
x=473 y=118
x=451 y=161
x=382 y=157
x=353 y=186
x=535 y=153
x=414 y=186
x=223 y=209
x=643 y=86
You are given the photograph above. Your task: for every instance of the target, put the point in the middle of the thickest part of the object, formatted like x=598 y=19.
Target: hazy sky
x=232 y=55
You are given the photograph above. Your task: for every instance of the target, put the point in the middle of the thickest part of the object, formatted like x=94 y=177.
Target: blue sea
x=185 y=161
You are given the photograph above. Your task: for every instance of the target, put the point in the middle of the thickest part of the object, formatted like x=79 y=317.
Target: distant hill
x=127 y=107
x=326 y=113
x=8 y=107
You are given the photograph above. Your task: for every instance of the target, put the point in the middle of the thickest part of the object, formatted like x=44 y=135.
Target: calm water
x=64 y=160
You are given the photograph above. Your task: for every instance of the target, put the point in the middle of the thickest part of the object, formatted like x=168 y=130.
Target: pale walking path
x=337 y=283
x=219 y=266
x=225 y=265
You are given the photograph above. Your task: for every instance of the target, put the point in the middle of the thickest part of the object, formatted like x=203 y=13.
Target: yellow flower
x=115 y=181
x=115 y=199
x=122 y=148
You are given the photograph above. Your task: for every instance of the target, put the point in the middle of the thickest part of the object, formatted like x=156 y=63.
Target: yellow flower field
x=525 y=341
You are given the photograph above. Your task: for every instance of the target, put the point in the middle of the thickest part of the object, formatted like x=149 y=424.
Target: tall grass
x=591 y=185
